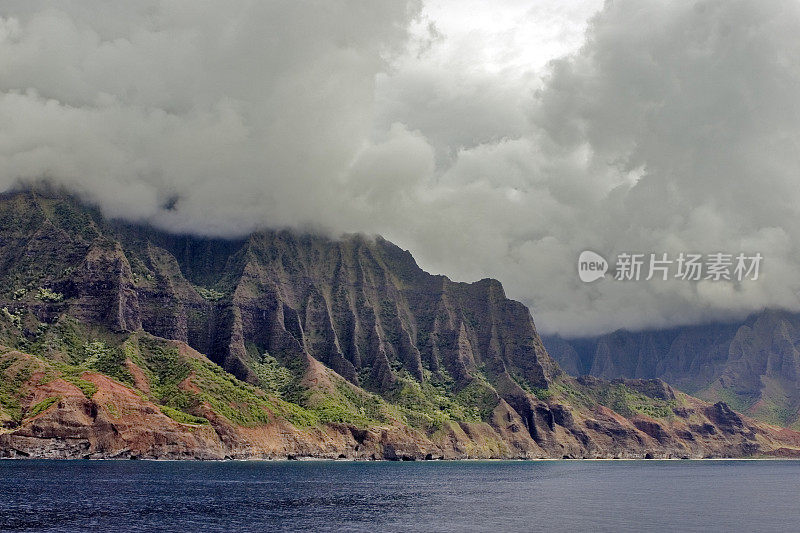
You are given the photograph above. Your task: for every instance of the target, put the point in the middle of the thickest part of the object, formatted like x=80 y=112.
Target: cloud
x=247 y=111
x=491 y=142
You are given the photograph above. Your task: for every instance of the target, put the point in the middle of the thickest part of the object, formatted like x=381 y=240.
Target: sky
x=492 y=139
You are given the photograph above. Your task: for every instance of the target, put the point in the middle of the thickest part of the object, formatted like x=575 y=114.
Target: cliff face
x=753 y=365
x=312 y=346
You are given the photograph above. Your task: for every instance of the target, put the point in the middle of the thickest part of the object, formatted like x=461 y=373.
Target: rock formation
x=754 y=365
x=119 y=340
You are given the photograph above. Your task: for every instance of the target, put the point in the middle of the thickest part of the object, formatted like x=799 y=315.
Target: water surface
x=382 y=496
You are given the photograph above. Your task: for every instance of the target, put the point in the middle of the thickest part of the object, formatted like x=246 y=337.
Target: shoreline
x=354 y=460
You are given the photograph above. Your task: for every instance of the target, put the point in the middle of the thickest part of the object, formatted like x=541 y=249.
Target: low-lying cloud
x=657 y=126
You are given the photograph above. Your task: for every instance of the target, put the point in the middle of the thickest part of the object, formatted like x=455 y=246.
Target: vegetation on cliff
x=121 y=339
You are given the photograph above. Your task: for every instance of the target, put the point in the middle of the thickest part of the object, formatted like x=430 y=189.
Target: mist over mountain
x=501 y=149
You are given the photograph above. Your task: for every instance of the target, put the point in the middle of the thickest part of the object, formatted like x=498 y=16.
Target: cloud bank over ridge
x=492 y=141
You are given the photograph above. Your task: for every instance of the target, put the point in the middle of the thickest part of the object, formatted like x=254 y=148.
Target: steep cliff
x=753 y=365
x=121 y=340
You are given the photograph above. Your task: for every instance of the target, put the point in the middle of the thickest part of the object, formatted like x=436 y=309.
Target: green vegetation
x=297 y=415
x=735 y=401
x=544 y=394
x=777 y=414
x=211 y=295
x=229 y=397
x=570 y=394
x=112 y=410
x=348 y=405
x=74 y=376
x=106 y=360
x=479 y=399
x=289 y=399
x=272 y=376
x=64 y=347
x=74 y=219
x=614 y=395
x=183 y=418
x=184 y=387
x=429 y=405
x=63 y=341
x=15 y=318
x=48 y=295
x=71 y=374
x=42 y=406
x=774 y=405
x=239 y=402
x=165 y=370
x=14 y=374
x=628 y=402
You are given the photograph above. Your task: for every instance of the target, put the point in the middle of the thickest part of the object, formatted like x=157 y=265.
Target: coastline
x=310 y=459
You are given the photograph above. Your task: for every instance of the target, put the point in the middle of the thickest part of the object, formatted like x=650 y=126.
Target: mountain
x=753 y=365
x=120 y=340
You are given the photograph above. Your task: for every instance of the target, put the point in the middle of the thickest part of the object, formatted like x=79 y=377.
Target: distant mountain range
x=120 y=340
x=753 y=365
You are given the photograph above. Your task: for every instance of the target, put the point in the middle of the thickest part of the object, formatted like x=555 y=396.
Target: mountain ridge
x=284 y=344
x=753 y=364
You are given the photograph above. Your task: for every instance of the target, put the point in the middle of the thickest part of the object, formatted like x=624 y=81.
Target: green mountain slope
x=121 y=340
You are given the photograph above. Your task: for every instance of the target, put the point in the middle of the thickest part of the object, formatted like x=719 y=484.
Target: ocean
x=265 y=496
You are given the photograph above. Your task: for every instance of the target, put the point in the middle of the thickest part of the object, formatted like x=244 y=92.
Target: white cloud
x=671 y=126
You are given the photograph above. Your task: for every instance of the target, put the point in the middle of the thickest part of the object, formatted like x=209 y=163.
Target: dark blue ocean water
x=423 y=496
